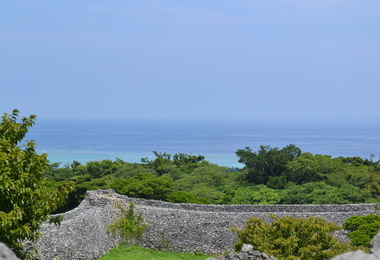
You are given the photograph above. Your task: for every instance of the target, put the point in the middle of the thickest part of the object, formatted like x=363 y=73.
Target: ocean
x=131 y=139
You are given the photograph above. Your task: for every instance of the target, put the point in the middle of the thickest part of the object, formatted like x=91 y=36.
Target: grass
x=140 y=253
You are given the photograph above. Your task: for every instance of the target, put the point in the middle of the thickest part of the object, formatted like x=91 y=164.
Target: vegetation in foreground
x=290 y=238
x=25 y=199
x=124 y=252
x=128 y=225
x=363 y=229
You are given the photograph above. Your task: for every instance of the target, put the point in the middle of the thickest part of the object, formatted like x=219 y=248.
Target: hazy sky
x=190 y=58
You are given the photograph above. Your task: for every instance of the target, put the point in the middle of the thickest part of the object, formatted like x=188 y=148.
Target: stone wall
x=179 y=227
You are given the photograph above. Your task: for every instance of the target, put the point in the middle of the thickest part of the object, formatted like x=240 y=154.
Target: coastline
x=68 y=156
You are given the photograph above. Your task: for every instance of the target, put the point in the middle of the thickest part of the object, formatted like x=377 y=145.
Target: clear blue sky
x=190 y=58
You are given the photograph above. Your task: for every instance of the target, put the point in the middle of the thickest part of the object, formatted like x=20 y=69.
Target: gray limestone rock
x=246 y=248
x=242 y=255
x=256 y=253
x=360 y=255
x=357 y=255
x=6 y=253
x=375 y=244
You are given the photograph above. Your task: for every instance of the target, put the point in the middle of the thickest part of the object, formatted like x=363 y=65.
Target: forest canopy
x=268 y=176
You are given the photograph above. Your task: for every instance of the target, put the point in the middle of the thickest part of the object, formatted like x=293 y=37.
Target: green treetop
x=25 y=200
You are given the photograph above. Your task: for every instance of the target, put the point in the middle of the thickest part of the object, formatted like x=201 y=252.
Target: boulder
x=360 y=255
x=246 y=253
x=357 y=255
x=246 y=248
x=6 y=253
x=375 y=244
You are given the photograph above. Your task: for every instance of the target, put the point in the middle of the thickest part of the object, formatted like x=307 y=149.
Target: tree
x=358 y=161
x=164 y=162
x=188 y=162
x=322 y=193
x=144 y=185
x=259 y=194
x=185 y=197
x=25 y=200
x=359 y=176
x=267 y=162
x=98 y=169
x=206 y=181
x=292 y=238
x=311 y=168
x=57 y=173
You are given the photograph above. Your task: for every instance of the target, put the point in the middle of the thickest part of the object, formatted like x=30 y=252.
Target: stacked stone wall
x=178 y=227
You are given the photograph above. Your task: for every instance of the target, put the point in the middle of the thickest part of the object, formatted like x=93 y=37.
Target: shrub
x=129 y=225
x=144 y=185
x=259 y=194
x=291 y=238
x=186 y=197
x=363 y=228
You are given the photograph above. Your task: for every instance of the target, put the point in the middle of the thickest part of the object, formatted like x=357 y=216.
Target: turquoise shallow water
x=131 y=140
x=85 y=156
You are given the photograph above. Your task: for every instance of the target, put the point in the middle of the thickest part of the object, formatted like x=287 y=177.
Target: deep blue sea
x=131 y=140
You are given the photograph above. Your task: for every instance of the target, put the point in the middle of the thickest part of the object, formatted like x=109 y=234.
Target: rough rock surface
x=246 y=253
x=83 y=231
x=375 y=244
x=178 y=227
x=360 y=255
x=6 y=253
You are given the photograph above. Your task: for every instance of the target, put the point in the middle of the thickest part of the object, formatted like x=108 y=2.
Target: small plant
x=129 y=225
x=197 y=252
x=56 y=220
x=164 y=243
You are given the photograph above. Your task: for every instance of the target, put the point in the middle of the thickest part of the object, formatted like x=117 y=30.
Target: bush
x=259 y=194
x=129 y=225
x=186 y=197
x=363 y=228
x=144 y=185
x=322 y=193
x=291 y=238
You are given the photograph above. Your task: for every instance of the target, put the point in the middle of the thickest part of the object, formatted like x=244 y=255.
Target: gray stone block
x=357 y=255
x=246 y=248
x=242 y=256
x=6 y=253
x=375 y=244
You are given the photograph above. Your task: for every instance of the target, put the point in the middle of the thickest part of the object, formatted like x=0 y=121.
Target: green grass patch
x=140 y=253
